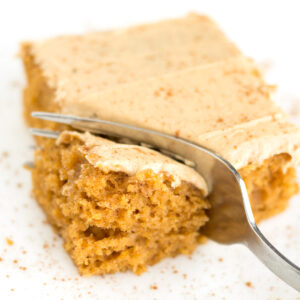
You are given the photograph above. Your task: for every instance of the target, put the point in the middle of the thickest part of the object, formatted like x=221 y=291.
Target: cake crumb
x=295 y=109
x=220 y=259
x=184 y=276
x=153 y=287
x=19 y=185
x=5 y=154
x=12 y=290
x=169 y=93
x=1 y=259
x=15 y=261
x=249 y=284
x=266 y=65
x=9 y=241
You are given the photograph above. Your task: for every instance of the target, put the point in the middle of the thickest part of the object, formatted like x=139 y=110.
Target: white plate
x=36 y=265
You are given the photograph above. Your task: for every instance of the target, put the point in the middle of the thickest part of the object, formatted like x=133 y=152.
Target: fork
x=231 y=219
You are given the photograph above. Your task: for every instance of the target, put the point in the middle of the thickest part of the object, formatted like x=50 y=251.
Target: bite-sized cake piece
x=117 y=207
x=76 y=66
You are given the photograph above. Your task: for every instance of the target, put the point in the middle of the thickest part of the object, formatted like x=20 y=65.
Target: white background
x=269 y=31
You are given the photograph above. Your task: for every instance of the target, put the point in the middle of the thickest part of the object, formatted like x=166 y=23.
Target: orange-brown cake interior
x=37 y=95
x=270 y=185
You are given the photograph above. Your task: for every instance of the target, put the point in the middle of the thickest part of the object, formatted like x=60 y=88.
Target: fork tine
x=44 y=133
x=58 y=118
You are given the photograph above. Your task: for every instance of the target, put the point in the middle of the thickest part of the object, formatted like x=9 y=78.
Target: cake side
x=37 y=94
x=270 y=185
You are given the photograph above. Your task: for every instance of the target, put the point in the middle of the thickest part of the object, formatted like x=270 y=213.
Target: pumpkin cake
x=123 y=207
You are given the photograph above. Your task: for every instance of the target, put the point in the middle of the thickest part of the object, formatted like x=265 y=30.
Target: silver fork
x=231 y=218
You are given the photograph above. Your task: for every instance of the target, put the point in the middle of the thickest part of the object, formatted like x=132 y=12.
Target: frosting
x=78 y=65
x=109 y=156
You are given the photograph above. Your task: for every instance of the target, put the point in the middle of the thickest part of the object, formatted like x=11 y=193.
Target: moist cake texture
x=123 y=207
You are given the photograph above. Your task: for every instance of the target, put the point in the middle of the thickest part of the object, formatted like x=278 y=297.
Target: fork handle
x=272 y=258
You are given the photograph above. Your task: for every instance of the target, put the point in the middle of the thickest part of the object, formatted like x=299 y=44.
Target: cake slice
x=122 y=207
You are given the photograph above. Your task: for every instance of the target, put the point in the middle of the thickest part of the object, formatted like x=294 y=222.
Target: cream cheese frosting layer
x=109 y=156
x=188 y=103
x=77 y=65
